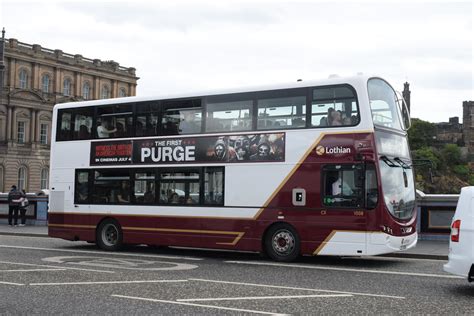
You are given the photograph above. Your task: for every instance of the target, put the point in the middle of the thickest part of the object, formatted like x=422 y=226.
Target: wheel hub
x=283 y=242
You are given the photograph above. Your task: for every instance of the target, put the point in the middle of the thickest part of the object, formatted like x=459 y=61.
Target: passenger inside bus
x=174 y=198
x=340 y=187
x=188 y=123
x=336 y=118
x=120 y=130
x=105 y=128
x=84 y=132
x=123 y=195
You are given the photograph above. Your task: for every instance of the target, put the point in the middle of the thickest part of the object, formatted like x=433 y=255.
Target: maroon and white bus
x=311 y=168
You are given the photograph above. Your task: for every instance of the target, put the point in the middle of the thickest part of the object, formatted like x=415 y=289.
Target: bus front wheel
x=282 y=243
x=109 y=235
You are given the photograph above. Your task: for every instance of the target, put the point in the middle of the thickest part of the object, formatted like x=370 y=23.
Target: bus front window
x=398 y=187
x=383 y=103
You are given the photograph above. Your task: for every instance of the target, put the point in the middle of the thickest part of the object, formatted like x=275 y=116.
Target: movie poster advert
x=268 y=147
x=111 y=153
x=232 y=148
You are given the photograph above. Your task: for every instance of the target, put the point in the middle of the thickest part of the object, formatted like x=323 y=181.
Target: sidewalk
x=425 y=249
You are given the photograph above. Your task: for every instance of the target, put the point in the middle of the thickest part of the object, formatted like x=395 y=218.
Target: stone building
x=450 y=132
x=32 y=80
x=468 y=126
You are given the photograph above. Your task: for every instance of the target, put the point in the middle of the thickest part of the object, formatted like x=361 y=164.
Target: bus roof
x=332 y=80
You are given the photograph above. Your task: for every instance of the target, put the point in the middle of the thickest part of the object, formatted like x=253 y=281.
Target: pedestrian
x=23 y=205
x=14 y=197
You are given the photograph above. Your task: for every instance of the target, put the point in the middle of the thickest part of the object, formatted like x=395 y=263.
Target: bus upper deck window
x=282 y=113
x=114 y=121
x=229 y=116
x=334 y=106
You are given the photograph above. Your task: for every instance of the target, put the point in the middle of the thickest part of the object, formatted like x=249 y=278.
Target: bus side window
x=64 y=127
x=81 y=191
x=342 y=186
x=180 y=187
x=114 y=121
x=83 y=123
x=229 y=116
x=182 y=117
x=281 y=113
x=147 y=119
x=214 y=186
x=334 y=106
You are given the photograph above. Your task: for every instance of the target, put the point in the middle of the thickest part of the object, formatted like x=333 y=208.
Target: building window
x=44 y=179
x=45 y=83
x=44 y=134
x=22 y=178
x=1 y=179
x=122 y=93
x=21 y=132
x=67 y=87
x=86 y=91
x=105 y=92
x=23 y=79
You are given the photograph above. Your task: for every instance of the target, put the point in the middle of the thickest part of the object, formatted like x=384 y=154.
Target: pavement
x=425 y=249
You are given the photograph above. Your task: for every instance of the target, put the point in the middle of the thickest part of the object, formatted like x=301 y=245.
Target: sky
x=181 y=46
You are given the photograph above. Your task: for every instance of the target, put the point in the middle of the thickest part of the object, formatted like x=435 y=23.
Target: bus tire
x=109 y=235
x=282 y=243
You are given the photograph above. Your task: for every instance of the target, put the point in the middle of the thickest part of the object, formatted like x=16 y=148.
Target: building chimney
x=406 y=94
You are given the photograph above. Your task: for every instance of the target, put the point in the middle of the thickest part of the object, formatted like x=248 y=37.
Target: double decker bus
x=309 y=168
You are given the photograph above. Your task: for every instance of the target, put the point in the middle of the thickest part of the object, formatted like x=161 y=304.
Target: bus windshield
x=383 y=103
x=398 y=187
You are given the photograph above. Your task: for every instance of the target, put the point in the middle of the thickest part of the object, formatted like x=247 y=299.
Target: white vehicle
x=461 y=245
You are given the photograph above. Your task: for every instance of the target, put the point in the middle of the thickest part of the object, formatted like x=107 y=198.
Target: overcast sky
x=179 y=46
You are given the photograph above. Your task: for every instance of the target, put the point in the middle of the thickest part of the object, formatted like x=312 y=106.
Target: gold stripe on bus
x=145 y=215
x=193 y=231
x=298 y=164
x=329 y=237
x=72 y=226
x=236 y=240
x=326 y=241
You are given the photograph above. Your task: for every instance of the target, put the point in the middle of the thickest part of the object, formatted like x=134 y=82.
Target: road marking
x=298 y=288
x=347 y=269
x=102 y=252
x=387 y=258
x=120 y=263
x=32 y=270
x=195 y=305
x=110 y=282
x=10 y=283
x=262 y=297
x=56 y=267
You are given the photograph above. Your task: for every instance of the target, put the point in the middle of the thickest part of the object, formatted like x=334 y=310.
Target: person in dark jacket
x=14 y=197
x=23 y=206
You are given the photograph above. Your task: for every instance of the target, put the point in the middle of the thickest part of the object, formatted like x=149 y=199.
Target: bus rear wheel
x=109 y=235
x=282 y=243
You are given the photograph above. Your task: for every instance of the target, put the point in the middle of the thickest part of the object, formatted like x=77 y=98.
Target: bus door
x=342 y=219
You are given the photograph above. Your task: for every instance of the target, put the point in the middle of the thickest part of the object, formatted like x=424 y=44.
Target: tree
x=421 y=134
x=451 y=154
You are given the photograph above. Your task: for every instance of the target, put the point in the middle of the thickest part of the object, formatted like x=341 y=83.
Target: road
x=52 y=276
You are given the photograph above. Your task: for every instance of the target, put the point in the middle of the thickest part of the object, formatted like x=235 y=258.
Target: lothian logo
x=321 y=150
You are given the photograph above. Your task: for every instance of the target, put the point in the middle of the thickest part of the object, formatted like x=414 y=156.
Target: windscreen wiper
x=388 y=161
x=402 y=163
